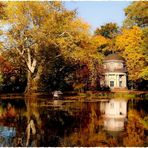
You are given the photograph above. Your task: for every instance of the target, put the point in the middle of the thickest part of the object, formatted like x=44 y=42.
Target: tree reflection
x=34 y=122
x=134 y=130
x=73 y=124
x=92 y=134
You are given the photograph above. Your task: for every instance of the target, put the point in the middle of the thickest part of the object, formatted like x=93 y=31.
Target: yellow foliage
x=129 y=43
x=129 y=39
x=38 y=25
x=99 y=40
x=144 y=73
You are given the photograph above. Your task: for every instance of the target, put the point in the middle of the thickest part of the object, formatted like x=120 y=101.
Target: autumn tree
x=144 y=72
x=2 y=14
x=136 y=14
x=2 y=11
x=86 y=54
x=38 y=27
x=130 y=44
x=2 y=61
x=13 y=72
x=104 y=45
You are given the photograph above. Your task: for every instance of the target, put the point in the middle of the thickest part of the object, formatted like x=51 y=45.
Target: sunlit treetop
x=137 y=14
x=130 y=44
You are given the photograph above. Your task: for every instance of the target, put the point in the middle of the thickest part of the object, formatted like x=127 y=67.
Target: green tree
x=108 y=30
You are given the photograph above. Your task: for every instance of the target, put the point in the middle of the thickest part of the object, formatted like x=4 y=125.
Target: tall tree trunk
x=28 y=89
x=31 y=64
x=33 y=81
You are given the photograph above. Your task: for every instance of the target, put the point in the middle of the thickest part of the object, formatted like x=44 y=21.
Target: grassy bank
x=124 y=95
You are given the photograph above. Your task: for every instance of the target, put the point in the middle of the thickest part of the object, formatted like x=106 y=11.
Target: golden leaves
x=129 y=39
x=99 y=41
x=144 y=73
x=129 y=43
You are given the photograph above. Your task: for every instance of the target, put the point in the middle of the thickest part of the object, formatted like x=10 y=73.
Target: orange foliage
x=5 y=66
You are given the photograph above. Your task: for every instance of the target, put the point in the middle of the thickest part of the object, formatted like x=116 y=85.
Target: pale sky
x=97 y=13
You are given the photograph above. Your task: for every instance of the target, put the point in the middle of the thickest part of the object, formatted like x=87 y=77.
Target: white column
x=107 y=79
x=117 y=80
x=125 y=81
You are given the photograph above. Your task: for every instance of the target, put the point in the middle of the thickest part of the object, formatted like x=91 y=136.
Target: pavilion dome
x=115 y=57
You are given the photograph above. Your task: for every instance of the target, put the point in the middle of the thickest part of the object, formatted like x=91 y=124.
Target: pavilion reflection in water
x=114 y=112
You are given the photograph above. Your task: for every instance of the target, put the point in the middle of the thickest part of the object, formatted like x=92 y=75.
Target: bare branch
x=65 y=32
x=59 y=55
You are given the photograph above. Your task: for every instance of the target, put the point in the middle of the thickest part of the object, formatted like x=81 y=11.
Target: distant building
x=115 y=112
x=115 y=71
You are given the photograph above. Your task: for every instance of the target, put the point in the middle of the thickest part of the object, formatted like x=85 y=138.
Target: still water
x=110 y=122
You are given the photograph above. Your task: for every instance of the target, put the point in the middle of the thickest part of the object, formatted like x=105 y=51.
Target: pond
x=105 y=122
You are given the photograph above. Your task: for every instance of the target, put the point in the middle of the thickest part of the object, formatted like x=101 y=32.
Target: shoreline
x=89 y=94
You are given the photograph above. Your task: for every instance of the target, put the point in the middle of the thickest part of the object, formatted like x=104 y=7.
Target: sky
x=97 y=13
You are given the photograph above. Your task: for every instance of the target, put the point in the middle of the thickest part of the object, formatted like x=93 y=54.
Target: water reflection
x=6 y=135
x=34 y=122
x=7 y=112
x=114 y=122
x=115 y=112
